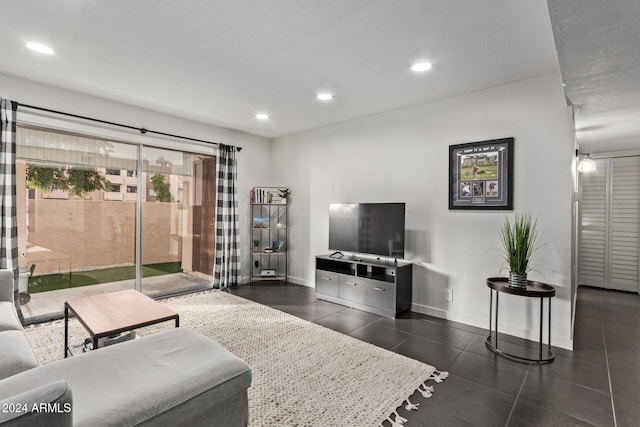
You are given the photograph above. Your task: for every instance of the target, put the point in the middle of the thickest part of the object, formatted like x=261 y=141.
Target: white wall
x=402 y=156
x=253 y=161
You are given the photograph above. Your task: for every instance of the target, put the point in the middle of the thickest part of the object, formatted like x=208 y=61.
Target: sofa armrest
x=49 y=405
x=6 y=285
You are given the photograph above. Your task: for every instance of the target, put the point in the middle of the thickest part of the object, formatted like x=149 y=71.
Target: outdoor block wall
x=72 y=235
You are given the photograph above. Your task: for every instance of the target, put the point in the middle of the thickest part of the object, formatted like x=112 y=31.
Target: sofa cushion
x=9 y=317
x=49 y=405
x=16 y=354
x=131 y=382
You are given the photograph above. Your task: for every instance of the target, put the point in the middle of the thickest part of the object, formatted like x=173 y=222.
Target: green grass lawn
x=52 y=282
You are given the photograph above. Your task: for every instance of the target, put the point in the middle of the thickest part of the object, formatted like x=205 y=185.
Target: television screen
x=367 y=228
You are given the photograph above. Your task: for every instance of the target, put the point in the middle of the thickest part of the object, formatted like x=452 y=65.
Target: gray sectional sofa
x=177 y=377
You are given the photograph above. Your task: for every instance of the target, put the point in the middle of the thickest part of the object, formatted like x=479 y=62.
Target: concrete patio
x=47 y=303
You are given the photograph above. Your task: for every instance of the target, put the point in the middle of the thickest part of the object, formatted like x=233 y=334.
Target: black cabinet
x=376 y=287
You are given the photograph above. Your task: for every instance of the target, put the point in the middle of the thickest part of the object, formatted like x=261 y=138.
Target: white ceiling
x=598 y=45
x=222 y=61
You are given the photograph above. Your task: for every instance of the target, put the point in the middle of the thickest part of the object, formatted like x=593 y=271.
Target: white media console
x=376 y=287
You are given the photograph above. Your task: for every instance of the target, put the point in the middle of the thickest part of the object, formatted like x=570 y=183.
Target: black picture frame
x=481 y=175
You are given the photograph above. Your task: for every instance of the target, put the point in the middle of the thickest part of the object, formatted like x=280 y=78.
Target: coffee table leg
x=177 y=321
x=66 y=328
x=95 y=343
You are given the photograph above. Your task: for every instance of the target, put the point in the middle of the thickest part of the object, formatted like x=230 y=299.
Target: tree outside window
x=161 y=188
x=78 y=182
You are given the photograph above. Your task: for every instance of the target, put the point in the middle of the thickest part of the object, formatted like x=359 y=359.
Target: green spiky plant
x=519 y=241
x=284 y=193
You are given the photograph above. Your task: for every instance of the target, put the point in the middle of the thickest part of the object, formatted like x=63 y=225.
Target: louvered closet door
x=592 y=268
x=610 y=225
x=624 y=239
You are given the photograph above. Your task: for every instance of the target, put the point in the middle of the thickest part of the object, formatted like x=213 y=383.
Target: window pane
x=174 y=239
x=74 y=227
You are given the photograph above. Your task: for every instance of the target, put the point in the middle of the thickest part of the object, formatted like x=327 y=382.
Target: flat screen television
x=367 y=228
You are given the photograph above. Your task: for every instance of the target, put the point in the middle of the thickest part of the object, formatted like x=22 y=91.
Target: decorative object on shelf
x=278 y=246
x=256 y=244
x=270 y=195
x=284 y=194
x=481 y=175
x=261 y=222
x=519 y=242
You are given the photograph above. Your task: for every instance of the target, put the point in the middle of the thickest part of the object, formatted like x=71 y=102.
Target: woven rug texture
x=303 y=374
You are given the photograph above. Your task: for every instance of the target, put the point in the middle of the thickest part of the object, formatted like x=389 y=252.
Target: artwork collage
x=479 y=176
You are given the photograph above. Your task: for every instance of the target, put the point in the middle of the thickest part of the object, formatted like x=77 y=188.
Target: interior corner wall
x=253 y=161
x=402 y=156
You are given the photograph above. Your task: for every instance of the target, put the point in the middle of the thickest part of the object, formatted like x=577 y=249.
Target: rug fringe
x=411 y=406
x=425 y=390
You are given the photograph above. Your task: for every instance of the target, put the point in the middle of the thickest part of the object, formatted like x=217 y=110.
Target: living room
x=395 y=149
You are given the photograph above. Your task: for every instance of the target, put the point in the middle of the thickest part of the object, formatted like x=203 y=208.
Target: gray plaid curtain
x=8 y=227
x=227 y=267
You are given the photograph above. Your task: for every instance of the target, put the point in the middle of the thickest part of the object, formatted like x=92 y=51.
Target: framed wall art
x=481 y=175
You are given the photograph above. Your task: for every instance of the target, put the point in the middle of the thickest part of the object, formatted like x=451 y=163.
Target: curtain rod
x=141 y=130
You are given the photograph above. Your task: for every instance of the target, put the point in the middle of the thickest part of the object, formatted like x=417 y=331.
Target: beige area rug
x=303 y=374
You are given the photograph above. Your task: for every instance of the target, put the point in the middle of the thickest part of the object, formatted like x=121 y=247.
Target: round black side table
x=533 y=290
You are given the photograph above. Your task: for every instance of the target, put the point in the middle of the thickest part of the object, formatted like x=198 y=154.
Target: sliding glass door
x=177 y=220
x=76 y=230
x=96 y=215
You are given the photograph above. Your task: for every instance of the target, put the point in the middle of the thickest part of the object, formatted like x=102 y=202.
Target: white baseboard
x=528 y=334
x=300 y=281
x=290 y=279
x=463 y=318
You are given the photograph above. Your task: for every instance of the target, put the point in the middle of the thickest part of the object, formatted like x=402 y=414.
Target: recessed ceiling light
x=262 y=116
x=324 y=96
x=419 y=67
x=40 y=48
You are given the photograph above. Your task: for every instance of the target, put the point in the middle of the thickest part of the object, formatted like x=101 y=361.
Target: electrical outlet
x=448 y=294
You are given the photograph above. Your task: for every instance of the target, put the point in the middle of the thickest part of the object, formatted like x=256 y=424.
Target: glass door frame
x=57 y=122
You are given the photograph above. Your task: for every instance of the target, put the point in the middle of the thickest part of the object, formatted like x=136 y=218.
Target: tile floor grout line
x=400 y=343
x=364 y=326
x=515 y=401
x=606 y=359
x=324 y=317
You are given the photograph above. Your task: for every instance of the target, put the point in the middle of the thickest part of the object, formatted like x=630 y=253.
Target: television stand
x=376 y=287
x=336 y=253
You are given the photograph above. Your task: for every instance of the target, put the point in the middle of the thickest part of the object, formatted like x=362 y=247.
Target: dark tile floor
x=596 y=384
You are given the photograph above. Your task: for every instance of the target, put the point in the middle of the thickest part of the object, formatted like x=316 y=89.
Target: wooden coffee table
x=108 y=314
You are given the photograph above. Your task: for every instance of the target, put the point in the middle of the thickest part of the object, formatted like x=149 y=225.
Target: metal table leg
x=549 y=347
x=497 y=312
x=66 y=329
x=541 y=328
x=490 y=314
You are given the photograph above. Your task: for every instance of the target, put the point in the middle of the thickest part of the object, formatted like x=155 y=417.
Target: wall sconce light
x=587 y=164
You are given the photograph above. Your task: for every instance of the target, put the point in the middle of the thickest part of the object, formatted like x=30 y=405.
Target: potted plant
x=256 y=244
x=284 y=194
x=519 y=241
